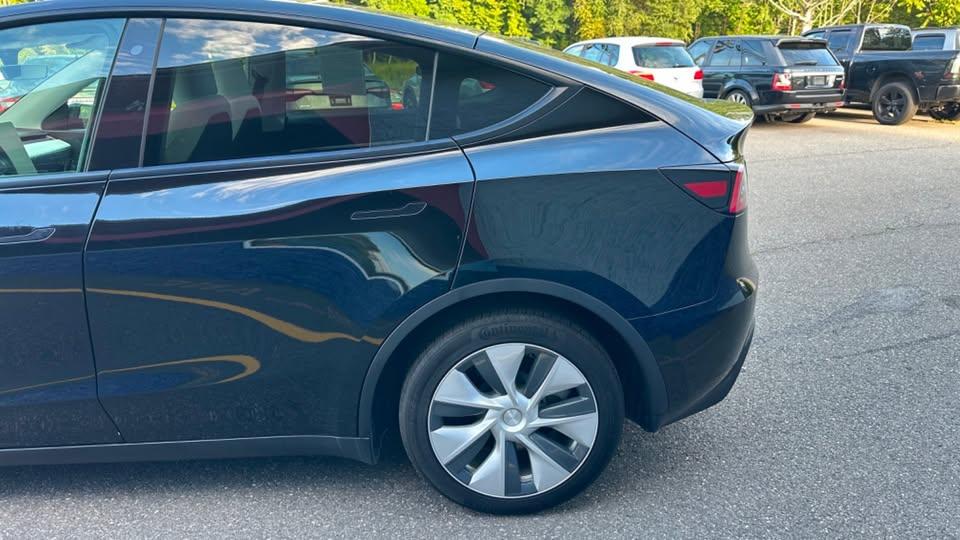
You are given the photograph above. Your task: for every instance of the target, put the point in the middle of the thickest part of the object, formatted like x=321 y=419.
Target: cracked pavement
x=845 y=422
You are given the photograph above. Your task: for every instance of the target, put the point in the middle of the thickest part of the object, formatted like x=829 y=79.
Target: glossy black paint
x=271 y=287
x=927 y=71
x=269 y=300
x=577 y=217
x=756 y=80
x=48 y=387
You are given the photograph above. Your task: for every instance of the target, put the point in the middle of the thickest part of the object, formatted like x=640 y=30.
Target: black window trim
x=560 y=86
x=708 y=41
x=394 y=150
x=101 y=98
x=734 y=43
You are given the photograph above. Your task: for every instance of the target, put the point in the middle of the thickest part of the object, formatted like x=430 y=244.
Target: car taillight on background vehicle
x=721 y=188
x=953 y=70
x=643 y=75
x=781 y=82
x=698 y=76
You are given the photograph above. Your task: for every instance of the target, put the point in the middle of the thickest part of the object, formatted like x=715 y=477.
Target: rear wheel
x=947 y=111
x=799 y=118
x=739 y=96
x=894 y=104
x=513 y=411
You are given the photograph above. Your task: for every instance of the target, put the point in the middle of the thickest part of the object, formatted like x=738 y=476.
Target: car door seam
x=468 y=221
x=86 y=306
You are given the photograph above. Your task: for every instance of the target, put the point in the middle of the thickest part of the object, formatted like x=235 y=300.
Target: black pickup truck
x=896 y=81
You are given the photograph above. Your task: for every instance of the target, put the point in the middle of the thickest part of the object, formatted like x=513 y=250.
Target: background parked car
x=662 y=60
x=896 y=81
x=783 y=77
x=939 y=39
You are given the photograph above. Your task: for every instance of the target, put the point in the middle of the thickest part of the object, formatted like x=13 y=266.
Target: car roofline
x=336 y=17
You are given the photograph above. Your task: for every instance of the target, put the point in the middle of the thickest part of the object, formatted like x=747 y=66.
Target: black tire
x=800 y=118
x=946 y=112
x=894 y=104
x=739 y=96
x=539 y=328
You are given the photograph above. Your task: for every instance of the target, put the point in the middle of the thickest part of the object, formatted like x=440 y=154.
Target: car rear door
x=721 y=68
x=292 y=208
x=54 y=75
x=756 y=65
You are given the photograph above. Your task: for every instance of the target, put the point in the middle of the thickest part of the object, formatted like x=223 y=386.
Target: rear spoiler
x=800 y=41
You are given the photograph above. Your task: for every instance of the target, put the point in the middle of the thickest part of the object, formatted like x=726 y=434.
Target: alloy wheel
x=738 y=97
x=513 y=420
x=946 y=111
x=892 y=103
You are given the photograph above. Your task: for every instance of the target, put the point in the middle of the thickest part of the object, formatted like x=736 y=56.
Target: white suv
x=661 y=60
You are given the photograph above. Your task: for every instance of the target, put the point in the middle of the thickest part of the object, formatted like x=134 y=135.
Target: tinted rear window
x=887 y=38
x=929 y=42
x=840 y=39
x=806 y=55
x=661 y=57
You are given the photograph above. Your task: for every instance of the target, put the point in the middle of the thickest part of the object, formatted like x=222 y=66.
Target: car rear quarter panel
x=924 y=68
x=592 y=211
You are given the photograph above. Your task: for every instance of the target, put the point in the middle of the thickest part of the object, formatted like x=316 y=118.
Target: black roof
x=775 y=38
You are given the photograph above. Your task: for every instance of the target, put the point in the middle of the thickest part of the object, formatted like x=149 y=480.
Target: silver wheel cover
x=513 y=420
x=737 y=97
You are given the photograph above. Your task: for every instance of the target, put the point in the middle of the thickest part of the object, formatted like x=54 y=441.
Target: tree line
x=560 y=22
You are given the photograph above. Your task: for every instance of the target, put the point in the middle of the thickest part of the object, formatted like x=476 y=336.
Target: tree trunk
x=807 y=20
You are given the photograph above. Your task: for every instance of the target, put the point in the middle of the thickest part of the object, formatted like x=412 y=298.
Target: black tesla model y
x=269 y=228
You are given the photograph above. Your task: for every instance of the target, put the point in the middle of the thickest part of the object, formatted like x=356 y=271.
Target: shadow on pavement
x=657 y=455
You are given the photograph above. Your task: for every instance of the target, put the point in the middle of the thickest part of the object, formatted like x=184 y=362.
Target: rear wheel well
x=894 y=77
x=390 y=383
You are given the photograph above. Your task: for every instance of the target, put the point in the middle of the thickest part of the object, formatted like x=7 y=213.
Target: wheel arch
x=894 y=77
x=634 y=360
x=743 y=86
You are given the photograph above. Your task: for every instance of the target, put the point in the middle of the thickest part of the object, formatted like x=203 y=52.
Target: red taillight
x=708 y=190
x=738 y=197
x=643 y=75
x=720 y=187
x=782 y=82
x=397 y=106
x=953 y=69
x=698 y=76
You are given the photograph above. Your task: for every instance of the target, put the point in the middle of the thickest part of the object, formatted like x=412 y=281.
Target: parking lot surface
x=845 y=422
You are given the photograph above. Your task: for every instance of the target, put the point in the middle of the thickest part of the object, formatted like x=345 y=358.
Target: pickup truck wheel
x=894 y=104
x=947 y=111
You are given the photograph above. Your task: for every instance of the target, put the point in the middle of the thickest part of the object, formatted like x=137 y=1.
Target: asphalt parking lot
x=845 y=422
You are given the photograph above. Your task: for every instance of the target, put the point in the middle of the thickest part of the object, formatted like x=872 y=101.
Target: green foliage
x=590 y=17
x=930 y=12
x=722 y=17
x=548 y=20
